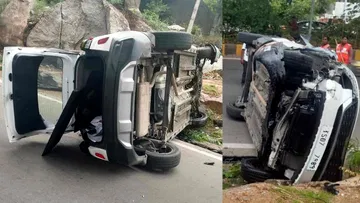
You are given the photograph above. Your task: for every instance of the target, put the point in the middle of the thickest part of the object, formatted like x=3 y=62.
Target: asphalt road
x=67 y=175
x=236 y=138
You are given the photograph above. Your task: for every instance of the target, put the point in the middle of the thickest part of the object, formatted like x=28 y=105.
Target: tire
x=296 y=61
x=200 y=121
x=248 y=38
x=163 y=161
x=235 y=112
x=167 y=41
x=252 y=171
x=84 y=147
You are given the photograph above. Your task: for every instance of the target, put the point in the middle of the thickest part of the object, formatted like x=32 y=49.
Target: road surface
x=237 y=141
x=236 y=138
x=67 y=175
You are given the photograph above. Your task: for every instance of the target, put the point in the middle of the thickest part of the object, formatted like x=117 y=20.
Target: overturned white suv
x=128 y=94
x=300 y=106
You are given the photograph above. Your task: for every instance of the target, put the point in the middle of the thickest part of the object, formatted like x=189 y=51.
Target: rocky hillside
x=64 y=25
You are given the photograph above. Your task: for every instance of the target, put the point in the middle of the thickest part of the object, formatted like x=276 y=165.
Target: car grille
x=333 y=170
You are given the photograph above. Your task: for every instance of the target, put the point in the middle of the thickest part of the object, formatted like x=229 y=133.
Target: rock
x=136 y=22
x=132 y=5
x=13 y=21
x=116 y=20
x=67 y=24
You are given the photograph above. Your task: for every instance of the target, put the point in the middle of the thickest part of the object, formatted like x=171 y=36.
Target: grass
x=352 y=165
x=211 y=90
x=302 y=195
x=232 y=175
x=209 y=133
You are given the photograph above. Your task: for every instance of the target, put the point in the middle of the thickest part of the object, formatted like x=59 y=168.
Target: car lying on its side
x=128 y=94
x=300 y=106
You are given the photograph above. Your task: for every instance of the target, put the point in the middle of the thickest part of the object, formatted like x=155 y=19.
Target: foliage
x=232 y=175
x=303 y=195
x=212 y=4
x=3 y=4
x=117 y=2
x=353 y=157
x=153 y=12
x=266 y=16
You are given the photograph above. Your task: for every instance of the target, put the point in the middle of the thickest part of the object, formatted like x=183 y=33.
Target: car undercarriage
x=300 y=108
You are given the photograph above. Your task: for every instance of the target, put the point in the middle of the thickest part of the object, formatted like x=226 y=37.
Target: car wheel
x=163 y=158
x=200 y=120
x=234 y=111
x=253 y=171
x=167 y=41
x=84 y=147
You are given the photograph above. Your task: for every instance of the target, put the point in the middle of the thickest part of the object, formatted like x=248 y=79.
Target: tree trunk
x=133 y=5
x=216 y=28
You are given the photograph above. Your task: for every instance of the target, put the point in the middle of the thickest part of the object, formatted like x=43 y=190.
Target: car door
x=34 y=91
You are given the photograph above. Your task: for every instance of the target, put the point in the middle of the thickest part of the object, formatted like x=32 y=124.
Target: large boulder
x=136 y=22
x=13 y=21
x=69 y=22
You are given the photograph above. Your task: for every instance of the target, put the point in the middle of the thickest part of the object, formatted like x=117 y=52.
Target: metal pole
x=193 y=16
x=311 y=17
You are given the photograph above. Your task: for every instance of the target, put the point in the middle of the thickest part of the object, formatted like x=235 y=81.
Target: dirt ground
x=349 y=192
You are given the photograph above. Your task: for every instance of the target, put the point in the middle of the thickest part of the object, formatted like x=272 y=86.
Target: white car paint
x=69 y=60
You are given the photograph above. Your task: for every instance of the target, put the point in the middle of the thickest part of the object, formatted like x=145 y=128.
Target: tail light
x=103 y=40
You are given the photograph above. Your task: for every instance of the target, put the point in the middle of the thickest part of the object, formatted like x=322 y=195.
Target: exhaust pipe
x=142 y=106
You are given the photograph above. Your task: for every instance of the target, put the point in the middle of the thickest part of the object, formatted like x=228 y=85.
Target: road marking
x=231 y=58
x=238 y=146
x=197 y=149
x=43 y=96
x=49 y=98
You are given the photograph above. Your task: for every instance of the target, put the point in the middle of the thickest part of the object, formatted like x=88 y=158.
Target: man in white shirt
x=244 y=60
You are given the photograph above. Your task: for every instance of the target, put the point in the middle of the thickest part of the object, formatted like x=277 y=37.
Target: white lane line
x=198 y=150
x=43 y=96
x=183 y=145
x=238 y=146
x=231 y=58
x=49 y=98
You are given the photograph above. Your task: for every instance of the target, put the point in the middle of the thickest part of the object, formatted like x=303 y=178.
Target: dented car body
x=300 y=106
x=141 y=88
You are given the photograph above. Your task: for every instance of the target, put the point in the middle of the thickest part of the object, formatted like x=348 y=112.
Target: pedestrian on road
x=344 y=51
x=244 y=61
x=294 y=29
x=325 y=43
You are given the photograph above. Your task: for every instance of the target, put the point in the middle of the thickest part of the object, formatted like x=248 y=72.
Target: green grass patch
x=211 y=90
x=352 y=165
x=232 y=175
x=209 y=133
x=302 y=195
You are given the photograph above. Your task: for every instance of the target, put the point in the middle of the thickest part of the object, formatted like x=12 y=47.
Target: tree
x=266 y=16
x=216 y=7
x=132 y=5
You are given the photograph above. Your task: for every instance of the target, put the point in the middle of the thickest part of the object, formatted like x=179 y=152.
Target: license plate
x=320 y=146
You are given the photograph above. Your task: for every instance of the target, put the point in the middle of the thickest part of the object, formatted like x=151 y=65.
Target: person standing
x=244 y=61
x=325 y=43
x=344 y=51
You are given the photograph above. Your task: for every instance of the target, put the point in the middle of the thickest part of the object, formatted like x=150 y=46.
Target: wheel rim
x=148 y=145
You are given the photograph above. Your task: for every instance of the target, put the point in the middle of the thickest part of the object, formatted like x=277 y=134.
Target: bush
x=152 y=14
x=3 y=4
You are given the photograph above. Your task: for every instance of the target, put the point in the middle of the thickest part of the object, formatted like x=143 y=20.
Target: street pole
x=311 y=17
x=193 y=16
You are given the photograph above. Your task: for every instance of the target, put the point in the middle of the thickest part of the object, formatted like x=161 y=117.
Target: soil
x=349 y=192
